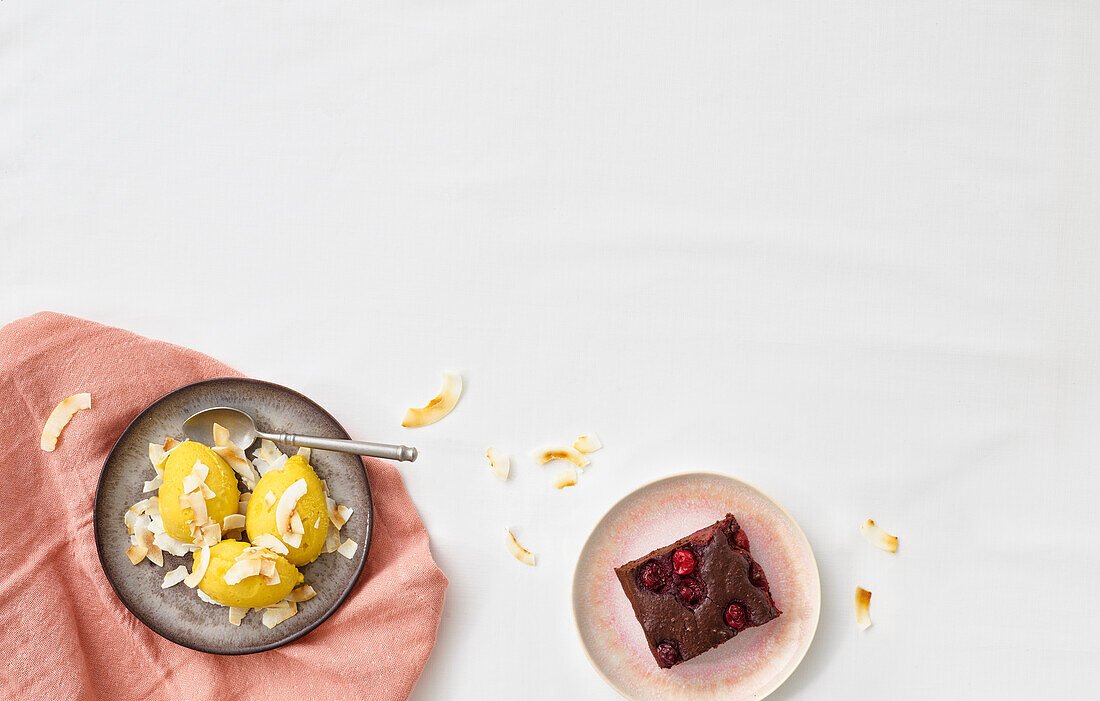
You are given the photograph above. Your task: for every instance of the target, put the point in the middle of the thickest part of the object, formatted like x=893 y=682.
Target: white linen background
x=846 y=251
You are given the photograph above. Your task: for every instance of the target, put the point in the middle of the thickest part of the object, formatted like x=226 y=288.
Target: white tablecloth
x=847 y=252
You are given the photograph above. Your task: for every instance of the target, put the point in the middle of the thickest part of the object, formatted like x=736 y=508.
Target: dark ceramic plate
x=177 y=613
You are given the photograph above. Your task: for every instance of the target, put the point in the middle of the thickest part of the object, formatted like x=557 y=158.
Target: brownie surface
x=685 y=612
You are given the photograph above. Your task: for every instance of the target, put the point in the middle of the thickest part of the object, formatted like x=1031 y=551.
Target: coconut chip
x=294 y=540
x=129 y=519
x=274 y=615
x=237 y=614
x=149 y=505
x=243 y=567
x=170 y=444
x=233 y=522
x=197 y=477
x=337 y=514
x=174 y=577
x=234 y=456
x=302 y=593
x=439 y=406
x=863 y=608
x=266 y=540
x=169 y=544
x=199 y=571
x=137 y=553
x=242 y=505
x=561 y=453
x=207 y=598
x=285 y=508
x=499 y=463
x=59 y=418
x=153 y=484
x=878 y=537
x=589 y=443
x=269 y=571
x=517 y=550
x=332 y=540
x=348 y=548
x=306 y=453
x=296 y=525
x=565 y=478
x=270 y=499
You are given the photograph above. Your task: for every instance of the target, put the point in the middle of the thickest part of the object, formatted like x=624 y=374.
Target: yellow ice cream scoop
x=219 y=479
x=310 y=508
x=252 y=591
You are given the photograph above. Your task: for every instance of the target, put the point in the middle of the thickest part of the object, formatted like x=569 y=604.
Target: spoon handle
x=374 y=450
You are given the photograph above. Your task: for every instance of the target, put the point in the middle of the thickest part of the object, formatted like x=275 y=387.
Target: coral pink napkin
x=65 y=635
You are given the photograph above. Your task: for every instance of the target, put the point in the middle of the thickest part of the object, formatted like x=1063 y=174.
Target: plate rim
x=680 y=475
x=253 y=648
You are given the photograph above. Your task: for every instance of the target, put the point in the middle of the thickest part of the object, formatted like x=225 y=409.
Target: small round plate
x=750 y=666
x=177 y=613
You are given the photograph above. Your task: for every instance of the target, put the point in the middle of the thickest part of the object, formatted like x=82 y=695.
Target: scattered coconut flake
x=170 y=444
x=153 y=484
x=561 y=453
x=274 y=615
x=197 y=504
x=234 y=456
x=332 y=540
x=338 y=514
x=499 y=463
x=565 y=478
x=863 y=608
x=207 y=492
x=317 y=523
x=305 y=453
x=287 y=502
x=243 y=567
x=269 y=572
x=137 y=553
x=294 y=540
x=196 y=477
x=174 y=577
x=242 y=505
x=157 y=456
x=129 y=519
x=518 y=551
x=59 y=418
x=588 y=443
x=207 y=598
x=302 y=593
x=168 y=543
x=156 y=525
x=439 y=406
x=296 y=525
x=199 y=571
x=211 y=534
x=348 y=548
x=266 y=540
x=149 y=505
x=155 y=555
x=878 y=537
x=233 y=522
x=237 y=614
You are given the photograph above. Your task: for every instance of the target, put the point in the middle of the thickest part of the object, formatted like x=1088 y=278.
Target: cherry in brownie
x=698 y=592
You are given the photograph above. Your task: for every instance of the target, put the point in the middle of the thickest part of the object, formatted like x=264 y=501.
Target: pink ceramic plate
x=750 y=666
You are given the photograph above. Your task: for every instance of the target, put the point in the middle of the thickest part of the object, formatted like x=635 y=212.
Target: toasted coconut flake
x=268 y=458
x=302 y=593
x=287 y=502
x=170 y=444
x=174 y=577
x=153 y=484
x=439 y=406
x=207 y=492
x=60 y=417
x=211 y=534
x=157 y=456
x=274 y=615
x=196 y=478
x=130 y=519
x=306 y=453
x=565 y=478
x=266 y=540
x=237 y=614
x=233 y=522
x=156 y=525
x=499 y=463
x=197 y=504
x=149 y=505
x=243 y=567
x=878 y=537
x=317 y=523
x=207 y=598
x=332 y=540
x=588 y=443
x=234 y=456
x=348 y=548
x=242 y=505
x=155 y=555
x=561 y=453
x=296 y=525
x=137 y=553
x=269 y=572
x=294 y=540
x=863 y=608
x=169 y=544
x=270 y=499
x=199 y=571
x=518 y=551
x=337 y=514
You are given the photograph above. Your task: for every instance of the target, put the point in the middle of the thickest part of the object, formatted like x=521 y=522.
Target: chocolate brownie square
x=698 y=592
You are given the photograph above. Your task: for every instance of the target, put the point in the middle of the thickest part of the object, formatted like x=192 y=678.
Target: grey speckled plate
x=177 y=613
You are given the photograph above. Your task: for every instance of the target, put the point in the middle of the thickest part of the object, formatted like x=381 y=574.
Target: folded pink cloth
x=63 y=632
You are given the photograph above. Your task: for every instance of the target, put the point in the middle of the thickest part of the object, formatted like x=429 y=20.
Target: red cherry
x=668 y=653
x=683 y=562
x=691 y=590
x=652 y=577
x=736 y=616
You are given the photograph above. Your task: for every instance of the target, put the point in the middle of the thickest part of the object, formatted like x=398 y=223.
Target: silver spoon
x=243 y=432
